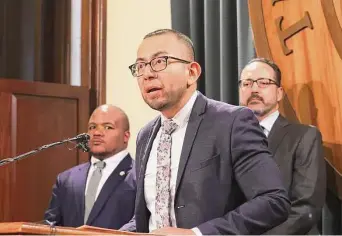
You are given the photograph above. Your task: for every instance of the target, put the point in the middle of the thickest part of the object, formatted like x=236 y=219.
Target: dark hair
x=185 y=39
x=271 y=64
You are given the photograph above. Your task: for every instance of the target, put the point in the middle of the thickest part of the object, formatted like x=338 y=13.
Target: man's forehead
x=105 y=115
x=102 y=120
x=257 y=68
x=104 y=108
x=162 y=44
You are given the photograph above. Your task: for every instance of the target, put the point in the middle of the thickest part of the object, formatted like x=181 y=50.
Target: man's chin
x=258 y=112
x=255 y=107
x=156 y=105
x=98 y=154
x=255 y=103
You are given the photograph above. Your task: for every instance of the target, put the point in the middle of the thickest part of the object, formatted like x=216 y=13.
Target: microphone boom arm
x=25 y=155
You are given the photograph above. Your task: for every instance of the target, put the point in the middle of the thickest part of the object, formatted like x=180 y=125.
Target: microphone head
x=82 y=137
x=82 y=142
x=83 y=146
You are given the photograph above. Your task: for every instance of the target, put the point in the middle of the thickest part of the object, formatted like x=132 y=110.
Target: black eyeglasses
x=261 y=82
x=157 y=64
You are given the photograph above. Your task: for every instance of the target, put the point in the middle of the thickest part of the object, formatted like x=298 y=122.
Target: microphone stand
x=25 y=155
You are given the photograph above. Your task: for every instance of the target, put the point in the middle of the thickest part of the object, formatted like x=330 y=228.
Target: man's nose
x=98 y=131
x=149 y=73
x=255 y=87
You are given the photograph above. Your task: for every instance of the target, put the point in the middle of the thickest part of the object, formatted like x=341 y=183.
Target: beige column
x=127 y=23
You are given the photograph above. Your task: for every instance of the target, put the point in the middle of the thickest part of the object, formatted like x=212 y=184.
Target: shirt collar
x=268 y=122
x=182 y=117
x=113 y=160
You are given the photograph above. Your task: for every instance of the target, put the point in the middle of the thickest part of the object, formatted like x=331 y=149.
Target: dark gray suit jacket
x=298 y=151
x=227 y=182
x=113 y=208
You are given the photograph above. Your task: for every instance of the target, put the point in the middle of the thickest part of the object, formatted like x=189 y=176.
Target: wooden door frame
x=93 y=50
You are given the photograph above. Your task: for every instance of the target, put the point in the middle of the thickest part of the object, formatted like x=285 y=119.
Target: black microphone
x=80 y=138
x=82 y=141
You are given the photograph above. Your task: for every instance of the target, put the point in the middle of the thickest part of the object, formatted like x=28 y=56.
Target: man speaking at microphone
x=102 y=191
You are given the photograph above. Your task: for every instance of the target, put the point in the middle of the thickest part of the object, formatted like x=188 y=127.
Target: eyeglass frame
x=270 y=81
x=149 y=63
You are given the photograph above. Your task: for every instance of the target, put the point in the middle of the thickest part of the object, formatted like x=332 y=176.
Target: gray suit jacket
x=227 y=182
x=298 y=151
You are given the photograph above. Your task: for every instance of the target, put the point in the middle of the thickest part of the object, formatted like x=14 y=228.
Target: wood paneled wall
x=305 y=39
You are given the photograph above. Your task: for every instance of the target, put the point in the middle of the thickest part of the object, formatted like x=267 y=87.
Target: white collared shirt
x=182 y=119
x=111 y=163
x=268 y=122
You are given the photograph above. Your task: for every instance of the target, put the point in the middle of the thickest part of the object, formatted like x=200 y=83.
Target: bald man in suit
x=108 y=203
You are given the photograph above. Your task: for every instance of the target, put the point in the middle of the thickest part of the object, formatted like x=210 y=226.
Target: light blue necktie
x=92 y=188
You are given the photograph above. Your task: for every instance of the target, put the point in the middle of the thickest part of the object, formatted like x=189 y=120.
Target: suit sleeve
x=307 y=193
x=53 y=213
x=131 y=225
x=267 y=204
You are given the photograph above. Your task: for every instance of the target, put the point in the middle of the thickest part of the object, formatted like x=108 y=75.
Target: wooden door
x=33 y=114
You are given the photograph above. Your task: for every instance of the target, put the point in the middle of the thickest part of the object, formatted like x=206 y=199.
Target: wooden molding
x=93 y=50
x=52 y=41
x=37 y=41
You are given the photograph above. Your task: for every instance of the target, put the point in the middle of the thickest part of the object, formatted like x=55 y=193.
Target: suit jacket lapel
x=144 y=153
x=195 y=120
x=110 y=185
x=277 y=133
x=79 y=188
x=147 y=149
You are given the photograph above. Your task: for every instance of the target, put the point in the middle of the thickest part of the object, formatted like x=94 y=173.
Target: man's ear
x=127 y=135
x=195 y=71
x=280 y=94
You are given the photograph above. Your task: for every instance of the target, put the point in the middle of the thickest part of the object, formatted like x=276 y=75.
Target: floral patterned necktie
x=163 y=191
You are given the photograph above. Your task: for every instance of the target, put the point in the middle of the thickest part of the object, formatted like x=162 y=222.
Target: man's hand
x=173 y=231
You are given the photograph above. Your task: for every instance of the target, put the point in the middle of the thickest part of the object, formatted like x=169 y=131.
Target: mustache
x=255 y=96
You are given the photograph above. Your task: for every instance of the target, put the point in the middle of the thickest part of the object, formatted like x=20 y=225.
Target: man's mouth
x=254 y=100
x=97 y=141
x=152 y=90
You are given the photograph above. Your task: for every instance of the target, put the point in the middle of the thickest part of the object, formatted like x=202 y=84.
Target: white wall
x=127 y=22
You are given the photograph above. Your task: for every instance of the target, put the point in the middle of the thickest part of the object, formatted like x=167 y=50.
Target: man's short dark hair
x=272 y=64
x=182 y=37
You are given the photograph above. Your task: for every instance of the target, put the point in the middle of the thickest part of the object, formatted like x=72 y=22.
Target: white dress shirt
x=111 y=163
x=268 y=122
x=182 y=119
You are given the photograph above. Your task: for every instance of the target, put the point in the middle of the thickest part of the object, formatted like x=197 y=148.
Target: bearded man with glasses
x=201 y=164
x=296 y=148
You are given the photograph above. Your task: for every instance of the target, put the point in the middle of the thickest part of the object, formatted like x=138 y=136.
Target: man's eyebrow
x=108 y=123
x=105 y=123
x=153 y=56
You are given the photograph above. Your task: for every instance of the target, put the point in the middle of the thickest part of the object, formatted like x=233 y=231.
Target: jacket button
x=179 y=207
